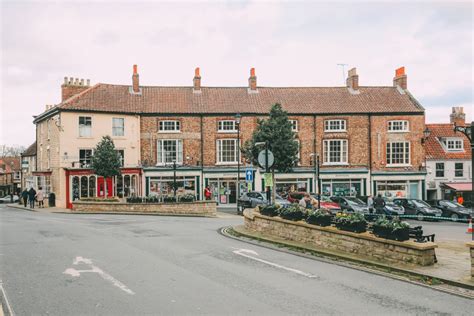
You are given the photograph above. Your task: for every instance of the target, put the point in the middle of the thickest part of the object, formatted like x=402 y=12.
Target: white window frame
x=176 y=126
x=161 y=153
x=403 y=124
x=391 y=158
x=221 y=124
x=333 y=129
x=462 y=169
x=85 y=130
x=219 y=152
x=451 y=144
x=294 y=125
x=122 y=160
x=344 y=154
x=80 y=163
x=118 y=128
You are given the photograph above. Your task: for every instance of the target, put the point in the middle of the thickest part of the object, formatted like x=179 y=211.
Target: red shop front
x=84 y=183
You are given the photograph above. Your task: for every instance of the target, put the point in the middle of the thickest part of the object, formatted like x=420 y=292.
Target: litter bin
x=52 y=200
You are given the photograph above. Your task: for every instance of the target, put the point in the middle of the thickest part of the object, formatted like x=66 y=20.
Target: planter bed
x=363 y=245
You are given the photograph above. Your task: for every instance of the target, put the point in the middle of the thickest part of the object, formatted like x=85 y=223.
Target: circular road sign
x=261 y=159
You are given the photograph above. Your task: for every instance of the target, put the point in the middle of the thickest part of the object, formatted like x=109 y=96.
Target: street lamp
x=426 y=134
x=12 y=165
x=237 y=124
x=317 y=181
x=467 y=130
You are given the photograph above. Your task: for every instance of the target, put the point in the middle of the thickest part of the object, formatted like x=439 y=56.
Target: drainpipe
x=202 y=156
x=370 y=155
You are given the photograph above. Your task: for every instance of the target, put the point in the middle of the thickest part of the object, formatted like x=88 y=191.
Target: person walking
x=31 y=197
x=379 y=204
x=24 y=197
x=40 y=197
x=370 y=203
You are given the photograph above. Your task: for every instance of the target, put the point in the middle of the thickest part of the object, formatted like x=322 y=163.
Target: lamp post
x=467 y=130
x=317 y=182
x=237 y=124
x=12 y=165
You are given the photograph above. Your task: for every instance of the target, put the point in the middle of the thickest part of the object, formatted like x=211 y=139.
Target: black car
x=451 y=209
x=351 y=204
x=419 y=208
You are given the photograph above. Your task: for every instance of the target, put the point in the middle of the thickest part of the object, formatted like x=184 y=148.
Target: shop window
x=398 y=126
x=335 y=151
x=84 y=187
x=163 y=186
x=335 y=125
x=169 y=150
x=398 y=153
x=75 y=188
x=118 y=126
x=85 y=126
x=458 y=169
x=440 y=169
x=44 y=182
x=227 y=151
x=226 y=126
x=392 y=189
x=85 y=158
x=169 y=126
x=92 y=186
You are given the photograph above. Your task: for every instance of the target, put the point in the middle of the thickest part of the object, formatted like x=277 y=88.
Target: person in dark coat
x=379 y=204
x=32 y=197
x=24 y=196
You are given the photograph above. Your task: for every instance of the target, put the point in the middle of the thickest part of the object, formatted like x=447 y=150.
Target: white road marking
x=247 y=253
x=94 y=269
x=5 y=299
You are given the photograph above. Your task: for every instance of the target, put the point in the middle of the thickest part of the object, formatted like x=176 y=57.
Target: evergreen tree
x=106 y=161
x=277 y=132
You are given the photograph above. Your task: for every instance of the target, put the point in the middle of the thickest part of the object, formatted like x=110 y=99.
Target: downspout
x=370 y=155
x=316 y=184
x=202 y=156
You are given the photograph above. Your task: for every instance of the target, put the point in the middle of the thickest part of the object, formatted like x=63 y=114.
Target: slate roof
x=30 y=151
x=216 y=100
x=434 y=149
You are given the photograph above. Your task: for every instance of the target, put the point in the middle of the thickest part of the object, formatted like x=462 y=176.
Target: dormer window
x=398 y=126
x=452 y=144
x=226 y=126
x=169 y=126
x=335 y=125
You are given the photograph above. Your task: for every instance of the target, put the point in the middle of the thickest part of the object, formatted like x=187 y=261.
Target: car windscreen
x=450 y=204
x=420 y=203
x=354 y=201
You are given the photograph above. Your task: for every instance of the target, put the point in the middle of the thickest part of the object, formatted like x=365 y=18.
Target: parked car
x=452 y=209
x=391 y=208
x=252 y=199
x=418 y=207
x=295 y=197
x=351 y=204
x=327 y=203
x=7 y=199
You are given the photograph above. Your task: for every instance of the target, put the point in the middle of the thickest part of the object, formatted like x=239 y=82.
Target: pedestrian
x=370 y=203
x=31 y=197
x=207 y=193
x=460 y=200
x=379 y=204
x=306 y=201
x=24 y=197
x=40 y=197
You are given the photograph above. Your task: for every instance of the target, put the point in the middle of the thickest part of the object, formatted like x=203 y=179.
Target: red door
x=101 y=187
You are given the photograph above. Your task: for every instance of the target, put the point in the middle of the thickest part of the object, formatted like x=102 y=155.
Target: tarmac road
x=67 y=264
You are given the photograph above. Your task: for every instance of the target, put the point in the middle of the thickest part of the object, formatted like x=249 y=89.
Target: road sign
x=268 y=179
x=261 y=159
x=248 y=175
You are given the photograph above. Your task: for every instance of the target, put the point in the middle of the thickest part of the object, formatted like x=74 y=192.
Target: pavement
x=59 y=264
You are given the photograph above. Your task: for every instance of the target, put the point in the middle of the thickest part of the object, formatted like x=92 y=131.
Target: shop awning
x=461 y=186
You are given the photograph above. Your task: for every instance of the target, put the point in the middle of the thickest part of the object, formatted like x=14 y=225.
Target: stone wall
x=198 y=208
x=471 y=247
x=365 y=245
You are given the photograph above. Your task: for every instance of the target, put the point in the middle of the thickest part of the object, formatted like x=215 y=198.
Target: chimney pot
x=88 y=82
x=352 y=80
x=458 y=117
x=252 y=80
x=82 y=82
x=400 y=78
x=65 y=80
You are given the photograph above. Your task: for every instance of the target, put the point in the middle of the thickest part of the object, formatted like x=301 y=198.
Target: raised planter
x=362 y=245
x=197 y=208
x=471 y=252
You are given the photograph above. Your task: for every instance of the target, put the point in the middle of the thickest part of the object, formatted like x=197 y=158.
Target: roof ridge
x=246 y=87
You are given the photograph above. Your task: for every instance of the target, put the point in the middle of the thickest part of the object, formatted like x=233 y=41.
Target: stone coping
x=250 y=213
x=470 y=244
x=127 y=203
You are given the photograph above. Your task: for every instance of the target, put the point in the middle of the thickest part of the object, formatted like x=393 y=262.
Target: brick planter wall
x=364 y=245
x=198 y=208
x=471 y=247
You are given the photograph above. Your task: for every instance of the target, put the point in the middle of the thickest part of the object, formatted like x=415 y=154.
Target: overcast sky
x=289 y=44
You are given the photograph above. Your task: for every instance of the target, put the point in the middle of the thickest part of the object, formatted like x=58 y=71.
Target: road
x=67 y=264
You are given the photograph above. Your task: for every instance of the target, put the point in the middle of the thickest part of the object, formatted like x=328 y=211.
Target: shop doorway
x=101 y=187
x=224 y=192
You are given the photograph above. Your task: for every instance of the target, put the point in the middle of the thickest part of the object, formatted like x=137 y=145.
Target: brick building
x=28 y=166
x=448 y=159
x=9 y=175
x=368 y=138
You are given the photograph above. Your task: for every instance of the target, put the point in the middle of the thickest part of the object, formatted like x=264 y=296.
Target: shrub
x=152 y=199
x=135 y=199
x=98 y=199
x=270 y=210
x=187 y=198
x=353 y=222
x=169 y=199
x=391 y=229
x=319 y=217
x=294 y=212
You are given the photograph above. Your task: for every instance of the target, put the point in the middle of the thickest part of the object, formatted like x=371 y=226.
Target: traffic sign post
x=248 y=175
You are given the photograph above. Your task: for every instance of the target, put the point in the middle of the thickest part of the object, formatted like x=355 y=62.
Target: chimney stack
x=400 y=78
x=197 y=81
x=135 y=82
x=352 y=80
x=458 y=117
x=252 y=81
x=73 y=86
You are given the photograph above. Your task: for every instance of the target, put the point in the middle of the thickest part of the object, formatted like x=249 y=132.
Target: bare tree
x=11 y=151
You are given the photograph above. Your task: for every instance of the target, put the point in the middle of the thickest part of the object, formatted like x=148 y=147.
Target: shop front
x=344 y=182
x=401 y=185
x=160 y=182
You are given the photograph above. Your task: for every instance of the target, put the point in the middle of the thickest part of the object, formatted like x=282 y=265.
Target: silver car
x=252 y=199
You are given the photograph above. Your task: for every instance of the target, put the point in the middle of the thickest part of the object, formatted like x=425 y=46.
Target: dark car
x=252 y=199
x=451 y=209
x=417 y=207
x=351 y=204
x=392 y=208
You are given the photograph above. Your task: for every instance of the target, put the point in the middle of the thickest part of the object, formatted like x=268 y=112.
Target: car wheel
x=420 y=216
x=454 y=217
